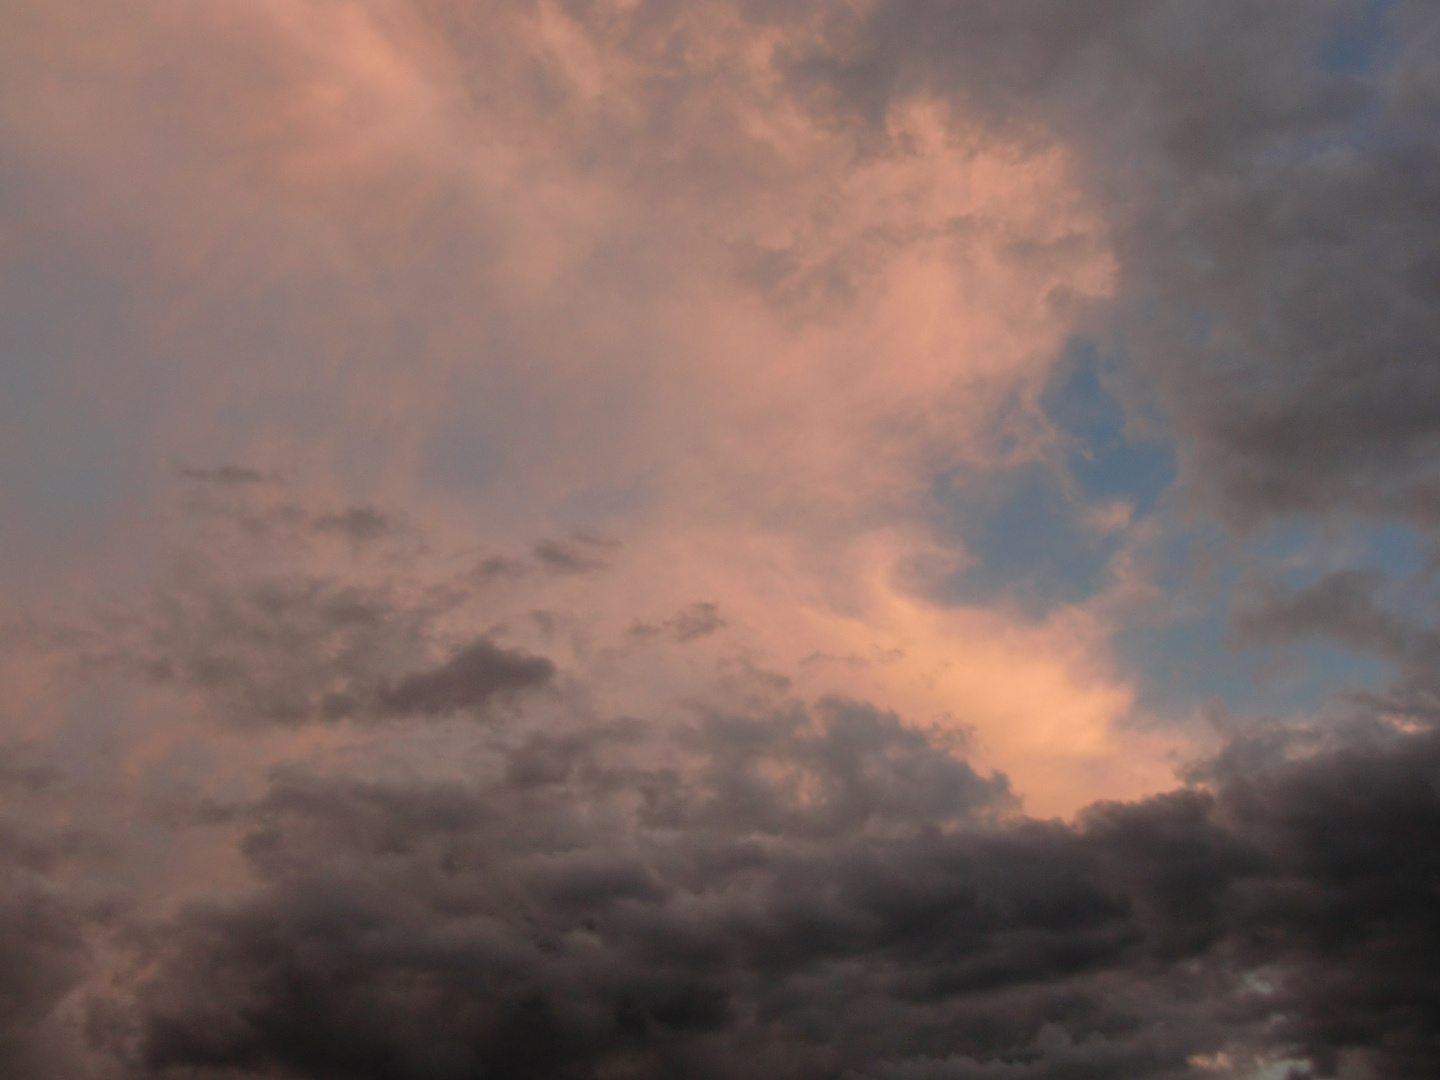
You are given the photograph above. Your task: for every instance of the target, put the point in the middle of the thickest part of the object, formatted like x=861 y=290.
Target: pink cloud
x=519 y=270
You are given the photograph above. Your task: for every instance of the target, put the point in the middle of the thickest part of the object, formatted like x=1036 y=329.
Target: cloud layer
x=608 y=539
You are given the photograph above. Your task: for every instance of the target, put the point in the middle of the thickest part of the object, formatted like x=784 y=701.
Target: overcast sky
x=638 y=539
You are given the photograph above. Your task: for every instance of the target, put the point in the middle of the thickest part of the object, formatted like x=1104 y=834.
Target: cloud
x=1272 y=206
x=360 y=523
x=678 y=391
x=1341 y=606
x=560 y=928
x=737 y=879
x=1354 y=610
x=577 y=556
x=472 y=677
x=697 y=620
x=580 y=286
x=44 y=951
x=302 y=644
x=228 y=474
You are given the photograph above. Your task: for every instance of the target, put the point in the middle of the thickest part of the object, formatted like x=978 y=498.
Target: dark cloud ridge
x=603 y=921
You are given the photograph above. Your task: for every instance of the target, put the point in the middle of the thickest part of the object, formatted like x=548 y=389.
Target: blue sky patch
x=1031 y=531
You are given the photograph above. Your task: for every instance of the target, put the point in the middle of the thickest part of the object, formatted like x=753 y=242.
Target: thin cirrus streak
x=635 y=540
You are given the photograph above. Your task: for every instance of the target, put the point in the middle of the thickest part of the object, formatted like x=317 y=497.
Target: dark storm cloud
x=1345 y=916
x=1271 y=173
x=866 y=914
x=43 y=951
x=42 y=957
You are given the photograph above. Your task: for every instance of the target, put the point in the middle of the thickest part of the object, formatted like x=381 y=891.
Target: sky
x=637 y=539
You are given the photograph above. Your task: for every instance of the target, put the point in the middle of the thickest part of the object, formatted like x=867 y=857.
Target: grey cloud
x=284 y=650
x=692 y=622
x=696 y=621
x=1347 y=608
x=43 y=948
x=358 y=523
x=305 y=649
x=826 y=770
x=499 y=567
x=476 y=674
x=290 y=645
x=1341 y=607
x=574 y=939
x=293 y=647
x=1342 y=916
x=230 y=475
x=42 y=956
x=577 y=555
